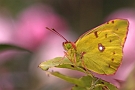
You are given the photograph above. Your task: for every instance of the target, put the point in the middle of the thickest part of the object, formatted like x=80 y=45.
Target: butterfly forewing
x=103 y=46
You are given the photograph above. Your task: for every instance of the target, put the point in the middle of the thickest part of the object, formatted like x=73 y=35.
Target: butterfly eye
x=67 y=45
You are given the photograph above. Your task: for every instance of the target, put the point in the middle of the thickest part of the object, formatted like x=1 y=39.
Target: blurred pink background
x=23 y=24
x=28 y=31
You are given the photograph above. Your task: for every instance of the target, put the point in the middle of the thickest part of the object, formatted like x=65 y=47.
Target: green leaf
x=60 y=62
x=67 y=78
x=54 y=63
x=86 y=82
x=4 y=47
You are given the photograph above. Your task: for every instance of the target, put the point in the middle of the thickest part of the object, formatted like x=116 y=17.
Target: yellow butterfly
x=99 y=50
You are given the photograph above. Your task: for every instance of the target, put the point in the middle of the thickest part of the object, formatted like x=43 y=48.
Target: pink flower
x=6 y=28
x=31 y=23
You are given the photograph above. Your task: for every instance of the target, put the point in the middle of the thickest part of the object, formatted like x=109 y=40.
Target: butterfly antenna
x=53 y=30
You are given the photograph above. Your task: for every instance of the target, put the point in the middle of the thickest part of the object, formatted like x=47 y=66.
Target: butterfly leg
x=75 y=60
x=65 y=54
x=72 y=60
x=83 y=65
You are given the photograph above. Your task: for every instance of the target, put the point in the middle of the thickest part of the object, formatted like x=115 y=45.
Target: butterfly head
x=69 y=45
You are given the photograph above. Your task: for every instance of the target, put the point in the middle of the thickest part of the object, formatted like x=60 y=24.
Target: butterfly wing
x=103 y=46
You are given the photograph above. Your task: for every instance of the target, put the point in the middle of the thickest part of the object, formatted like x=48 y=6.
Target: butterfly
x=99 y=50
